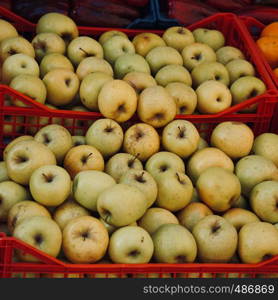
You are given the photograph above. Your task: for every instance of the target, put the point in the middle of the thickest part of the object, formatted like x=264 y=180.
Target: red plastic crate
x=235 y=34
x=52 y=267
x=255 y=28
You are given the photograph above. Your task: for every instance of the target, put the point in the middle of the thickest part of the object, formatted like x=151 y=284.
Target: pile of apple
x=157 y=77
x=133 y=196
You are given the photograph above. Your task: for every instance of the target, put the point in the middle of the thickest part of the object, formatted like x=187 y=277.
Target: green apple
x=173 y=73
x=238 y=68
x=117 y=46
x=146 y=41
x=213 y=97
x=178 y=37
x=110 y=33
x=62 y=86
x=58 y=23
x=228 y=53
x=90 y=88
x=3 y=172
x=91 y=65
x=162 y=56
x=82 y=47
x=139 y=81
x=19 y=64
x=7 y=30
x=184 y=96
x=127 y=63
x=29 y=85
x=247 y=87
x=46 y=43
x=210 y=71
x=197 y=53
x=214 y=38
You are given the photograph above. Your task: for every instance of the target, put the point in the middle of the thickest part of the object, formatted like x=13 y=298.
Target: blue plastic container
x=163 y=21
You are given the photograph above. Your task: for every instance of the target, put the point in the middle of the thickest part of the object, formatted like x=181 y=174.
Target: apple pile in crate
x=134 y=196
x=180 y=72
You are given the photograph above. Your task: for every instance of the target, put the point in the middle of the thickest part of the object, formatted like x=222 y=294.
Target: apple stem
x=84 y=51
x=181 y=133
x=85 y=158
x=47 y=178
x=179 y=179
x=134 y=158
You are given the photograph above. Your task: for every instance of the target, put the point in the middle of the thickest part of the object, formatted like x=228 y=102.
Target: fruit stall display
x=105 y=182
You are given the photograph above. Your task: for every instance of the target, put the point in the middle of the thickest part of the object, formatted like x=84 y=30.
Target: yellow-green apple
x=214 y=38
x=127 y=63
x=110 y=33
x=202 y=144
x=18 y=64
x=245 y=88
x=197 y=53
x=130 y=245
x=156 y=106
x=174 y=244
x=111 y=228
x=7 y=30
x=78 y=140
x=154 y=217
x=175 y=190
x=218 y=197
x=184 y=96
x=14 y=141
x=141 y=140
x=258 y=241
x=3 y=172
x=173 y=73
x=210 y=71
x=91 y=65
x=205 y=158
x=82 y=47
x=238 y=68
x=85 y=240
x=161 y=56
x=62 y=86
x=58 y=23
x=139 y=81
x=25 y=157
x=117 y=100
x=57 y=138
x=10 y=194
x=228 y=53
x=88 y=185
x=180 y=137
x=120 y=163
x=90 y=88
x=213 y=97
x=146 y=41
x=238 y=217
x=266 y=144
x=28 y=85
x=192 y=214
x=82 y=158
x=233 y=138
x=15 y=45
x=68 y=211
x=40 y=232
x=54 y=61
x=264 y=201
x=143 y=181
x=25 y=209
x=195 y=196
x=178 y=37
x=121 y=204
x=164 y=161
x=50 y=185
x=47 y=43
x=106 y=135
x=116 y=46
x=254 y=169
x=216 y=239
